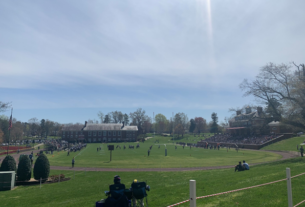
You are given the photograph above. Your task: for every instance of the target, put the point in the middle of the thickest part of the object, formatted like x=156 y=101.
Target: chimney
x=122 y=125
x=85 y=125
x=259 y=110
x=238 y=112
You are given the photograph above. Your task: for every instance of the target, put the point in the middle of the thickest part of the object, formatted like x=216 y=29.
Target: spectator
x=302 y=151
x=245 y=165
x=117 y=179
x=73 y=161
x=239 y=167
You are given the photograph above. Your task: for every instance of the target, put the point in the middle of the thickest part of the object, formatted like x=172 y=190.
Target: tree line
x=33 y=127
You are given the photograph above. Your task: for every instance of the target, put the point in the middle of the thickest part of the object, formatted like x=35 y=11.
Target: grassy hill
x=170 y=187
x=176 y=158
x=286 y=145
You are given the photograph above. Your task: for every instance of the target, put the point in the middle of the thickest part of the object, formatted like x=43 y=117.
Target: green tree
x=107 y=119
x=126 y=119
x=192 y=125
x=42 y=127
x=24 y=168
x=8 y=164
x=41 y=168
x=160 y=123
x=4 y=127
x=214 y=125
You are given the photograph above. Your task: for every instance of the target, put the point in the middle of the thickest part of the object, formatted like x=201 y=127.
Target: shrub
x=55 y=178
x=8 y=164
x=24 y=168
x=41 y=168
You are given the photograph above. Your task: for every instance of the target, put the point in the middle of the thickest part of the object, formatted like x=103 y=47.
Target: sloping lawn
x=170 y=187
x=286 y=145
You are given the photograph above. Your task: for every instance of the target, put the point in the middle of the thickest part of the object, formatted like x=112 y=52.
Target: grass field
x=137 y=158
x=286 y=145
x=170 y=187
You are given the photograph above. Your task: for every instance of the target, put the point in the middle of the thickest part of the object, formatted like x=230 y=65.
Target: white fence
x=193 y=197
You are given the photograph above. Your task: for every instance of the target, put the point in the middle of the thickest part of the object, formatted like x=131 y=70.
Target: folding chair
x=138 y=194
x=116 y=196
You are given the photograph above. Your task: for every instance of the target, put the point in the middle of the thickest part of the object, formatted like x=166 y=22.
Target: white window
x=109 y=133
x=89 y=134
x=104 y=133
x=100 y=133
x=113 y=133
x=94 y=133
x=119 y=133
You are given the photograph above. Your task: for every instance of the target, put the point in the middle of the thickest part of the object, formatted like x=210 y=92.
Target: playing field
x=176 y=158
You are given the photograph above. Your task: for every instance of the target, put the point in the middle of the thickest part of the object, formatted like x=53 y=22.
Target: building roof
x=72 y=127
x=109 y=127
x=274 y=123
x=99 y=127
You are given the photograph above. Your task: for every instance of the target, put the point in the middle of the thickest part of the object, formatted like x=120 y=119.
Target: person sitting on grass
x=239 y=167
x=245 y=165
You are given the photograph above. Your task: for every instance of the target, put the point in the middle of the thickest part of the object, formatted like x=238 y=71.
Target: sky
x=67 y=60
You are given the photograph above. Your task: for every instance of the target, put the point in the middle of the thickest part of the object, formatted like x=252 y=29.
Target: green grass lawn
x=170 y=187
x=286 y=145
x=137 y=158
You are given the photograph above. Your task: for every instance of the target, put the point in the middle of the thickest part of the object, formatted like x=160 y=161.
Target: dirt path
x=285 y=155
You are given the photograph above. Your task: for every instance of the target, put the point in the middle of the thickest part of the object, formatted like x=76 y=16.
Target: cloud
x=159 y=49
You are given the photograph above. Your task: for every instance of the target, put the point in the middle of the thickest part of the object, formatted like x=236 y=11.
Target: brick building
x=99 y=133
x=248 y=123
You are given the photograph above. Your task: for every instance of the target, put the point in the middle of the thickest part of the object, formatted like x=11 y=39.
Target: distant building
x=99 y=133
x=248 y=123
x=277 y=127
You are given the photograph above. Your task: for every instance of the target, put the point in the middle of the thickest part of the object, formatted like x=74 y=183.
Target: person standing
x=302 y=151
x=73 y=161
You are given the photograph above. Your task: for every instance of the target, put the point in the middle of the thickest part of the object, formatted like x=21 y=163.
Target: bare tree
x=201 y=124
x=138 y=117
x=279 y=85
x=34 y=126
x=101 y=116
x=4 y=106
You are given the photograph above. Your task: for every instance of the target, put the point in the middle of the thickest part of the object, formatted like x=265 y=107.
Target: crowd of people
x=241 y=139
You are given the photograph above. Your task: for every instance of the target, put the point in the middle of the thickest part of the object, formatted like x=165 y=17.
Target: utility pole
x=154 y=123
x=173 y=126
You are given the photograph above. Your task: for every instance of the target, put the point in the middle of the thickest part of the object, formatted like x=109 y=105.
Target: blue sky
x=67 y=60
